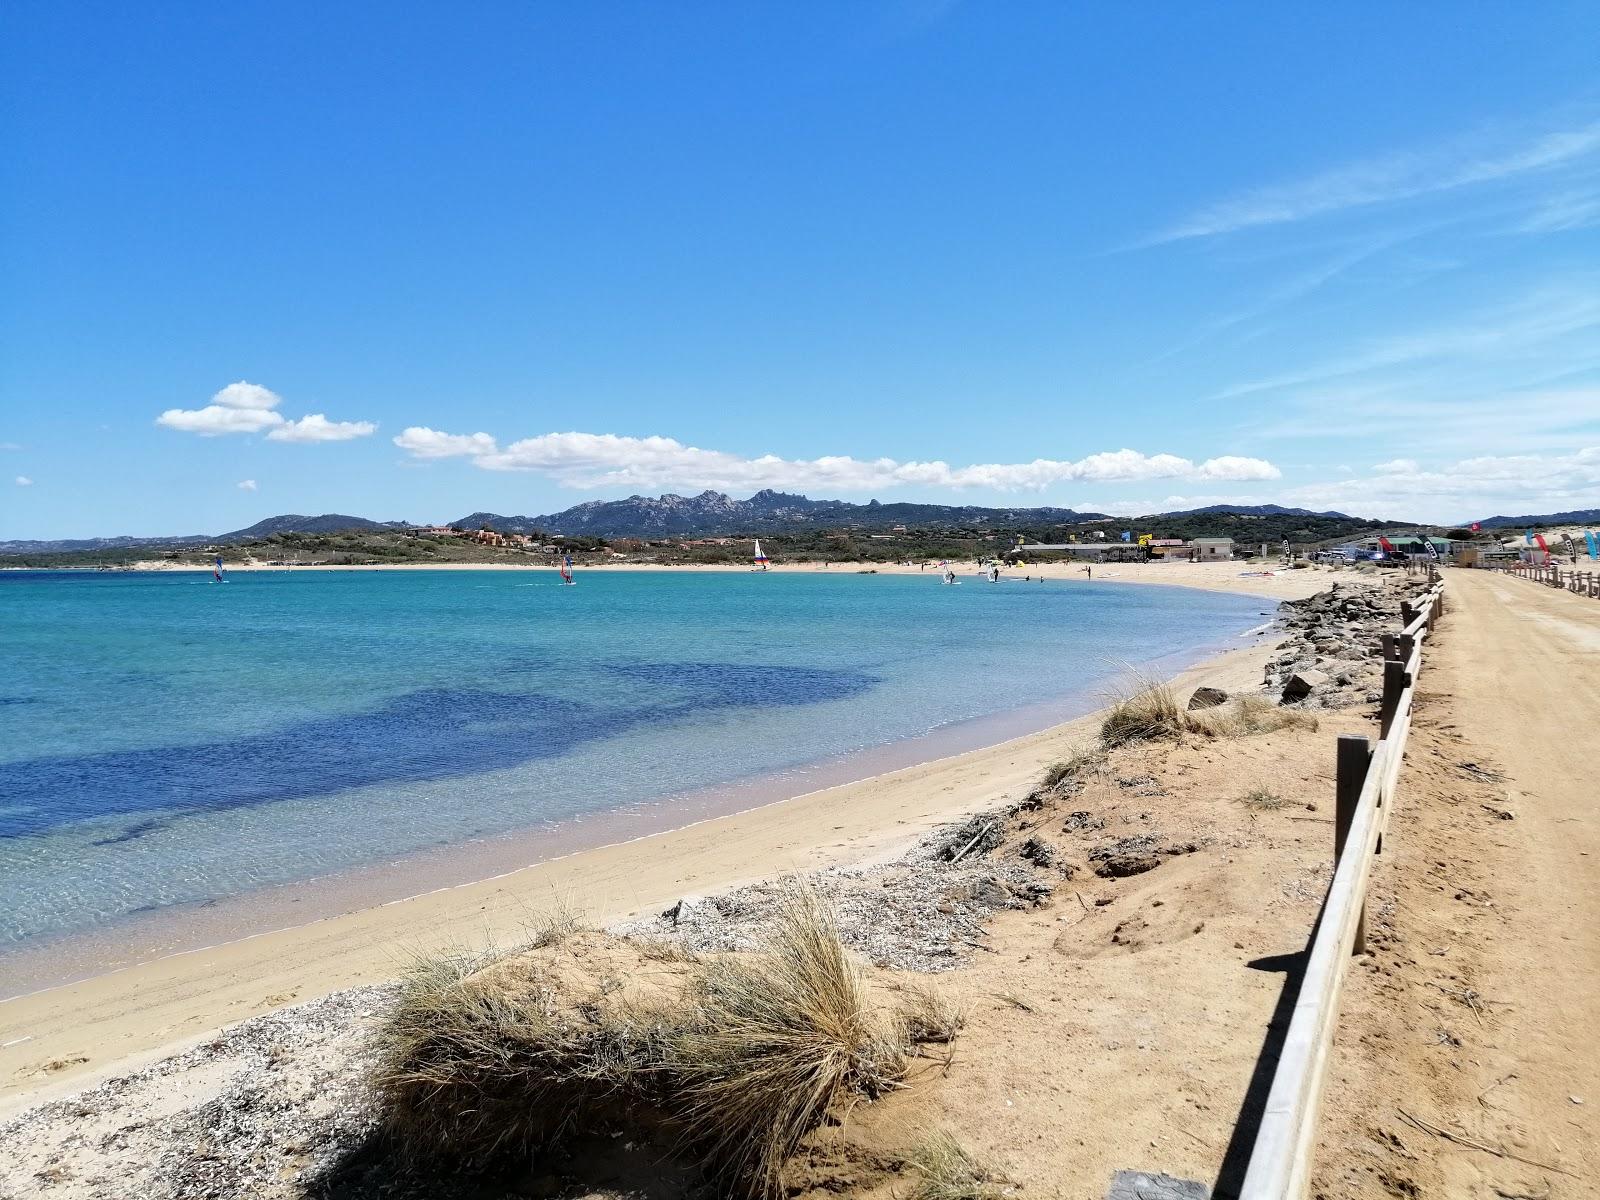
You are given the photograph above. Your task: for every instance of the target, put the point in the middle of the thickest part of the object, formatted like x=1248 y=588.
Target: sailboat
x=566 y=570
x=760 y=559
x=216 y=570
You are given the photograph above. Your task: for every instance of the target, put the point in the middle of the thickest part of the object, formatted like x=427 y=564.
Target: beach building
x=1211 y=549
x=1410 y=545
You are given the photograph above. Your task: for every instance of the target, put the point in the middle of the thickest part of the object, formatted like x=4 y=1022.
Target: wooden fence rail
x=1584 y=583
x=1280 y=1161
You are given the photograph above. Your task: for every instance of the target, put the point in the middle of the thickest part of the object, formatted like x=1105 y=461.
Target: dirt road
x=1477 y=1012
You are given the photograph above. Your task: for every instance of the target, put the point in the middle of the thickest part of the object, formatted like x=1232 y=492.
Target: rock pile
x=1333 y=655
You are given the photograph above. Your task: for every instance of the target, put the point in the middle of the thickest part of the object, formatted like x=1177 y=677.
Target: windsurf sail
x=760 y=558
x=216 y=570
x=566 y=568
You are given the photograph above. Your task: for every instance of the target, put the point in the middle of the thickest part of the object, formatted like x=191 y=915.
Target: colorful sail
x=216 y=570
x=566 y=568
x=1593 y=544
x=761 y=559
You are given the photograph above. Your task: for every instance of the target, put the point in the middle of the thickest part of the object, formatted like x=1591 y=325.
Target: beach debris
x=1083 y=822
x=1126 y=856
x=1207 y=697
x=1038 y=851
x=977 y=835
x=683 y=908
x=1142 y=1185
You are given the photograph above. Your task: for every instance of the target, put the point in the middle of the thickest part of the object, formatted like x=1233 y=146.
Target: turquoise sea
x=166 y=740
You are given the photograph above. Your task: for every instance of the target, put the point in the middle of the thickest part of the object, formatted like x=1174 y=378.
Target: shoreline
x=128 y=941
x=62 y=1037
x=1245 y=577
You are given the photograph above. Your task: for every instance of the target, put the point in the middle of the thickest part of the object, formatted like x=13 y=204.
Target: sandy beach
x=59 y=1039
x=1267 y=579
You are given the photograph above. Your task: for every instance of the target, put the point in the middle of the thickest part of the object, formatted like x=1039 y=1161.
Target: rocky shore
x=1332 y=655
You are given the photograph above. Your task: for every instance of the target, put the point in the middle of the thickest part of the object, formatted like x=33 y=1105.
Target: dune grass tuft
x=1147 y=711
x=779 y=1039
x=1261 y=800
x=1150 y=711
x=1250 y=715
x=946 y=1171
x=927 y=1016
x=483 y=1055
x=1058 y=773
x=737 y=1056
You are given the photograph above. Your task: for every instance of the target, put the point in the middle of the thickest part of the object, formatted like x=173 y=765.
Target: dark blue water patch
x=435 y=733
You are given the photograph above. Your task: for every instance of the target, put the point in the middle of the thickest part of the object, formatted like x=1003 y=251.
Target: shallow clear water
x=167 y=740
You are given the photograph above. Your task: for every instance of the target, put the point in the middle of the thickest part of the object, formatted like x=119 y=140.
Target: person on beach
x=1089 y=571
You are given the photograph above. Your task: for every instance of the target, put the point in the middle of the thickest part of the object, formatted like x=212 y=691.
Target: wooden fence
x=1280 y=1160
x=1584 y=583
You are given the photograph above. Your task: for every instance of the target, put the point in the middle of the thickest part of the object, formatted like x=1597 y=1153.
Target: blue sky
x=415 y=261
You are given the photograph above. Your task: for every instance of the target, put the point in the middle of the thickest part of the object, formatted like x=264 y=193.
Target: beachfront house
x=1218 y=549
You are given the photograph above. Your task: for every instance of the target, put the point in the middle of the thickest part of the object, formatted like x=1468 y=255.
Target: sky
x=416 y=261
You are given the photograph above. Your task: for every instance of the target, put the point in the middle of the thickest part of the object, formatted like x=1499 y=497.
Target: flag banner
x=1593 y=543
x=1385 y=544
x=1476 y=527
x=1528 y=537
x=1127 y=535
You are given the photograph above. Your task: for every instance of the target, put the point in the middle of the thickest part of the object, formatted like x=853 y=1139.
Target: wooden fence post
x=1353 y=756
x=1387 y=641
x=1394 y=684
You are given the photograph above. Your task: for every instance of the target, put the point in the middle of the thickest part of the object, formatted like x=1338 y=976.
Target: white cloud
x=247 y=485
x=422 y=442
x=10 y=446
x=1385 y=179
x=247 y=395
x=250 y=408
x=606 y=460
x=317 y=428
x=24 y=481
x=1467 y=489
x=216 y=420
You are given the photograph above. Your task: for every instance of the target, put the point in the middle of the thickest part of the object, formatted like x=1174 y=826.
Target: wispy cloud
x=1563 y=212
x=250 y=408
x=604 y=460
x=1386 y=179
x=24 y=481
x=1527 y=327
x=246 y=485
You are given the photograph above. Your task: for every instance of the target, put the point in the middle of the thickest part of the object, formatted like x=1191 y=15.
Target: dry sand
x=61 y=1038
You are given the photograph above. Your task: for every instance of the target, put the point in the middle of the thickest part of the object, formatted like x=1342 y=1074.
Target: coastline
x=1238 y=576
x=61 y=1038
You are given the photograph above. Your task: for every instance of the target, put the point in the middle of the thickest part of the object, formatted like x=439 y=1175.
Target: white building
x=1211 y=549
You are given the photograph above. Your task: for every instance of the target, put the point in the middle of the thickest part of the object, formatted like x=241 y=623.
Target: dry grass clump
x=739 y=1055
x=946 y=1171
x=927 y=1016
x=779 y=1039
x=495 y=1053
x=1058 y=773
x=1152 y=711
x=1261 y=800
x=1250 y=715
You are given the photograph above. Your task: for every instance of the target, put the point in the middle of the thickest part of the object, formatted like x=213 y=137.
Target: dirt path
x=1477 y=1011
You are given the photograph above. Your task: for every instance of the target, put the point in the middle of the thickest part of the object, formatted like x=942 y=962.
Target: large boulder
x=1302 y=683
x=1207 y=697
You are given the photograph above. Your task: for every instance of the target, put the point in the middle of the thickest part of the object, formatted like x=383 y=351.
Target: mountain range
x=708 y=514
x=1576 y=516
